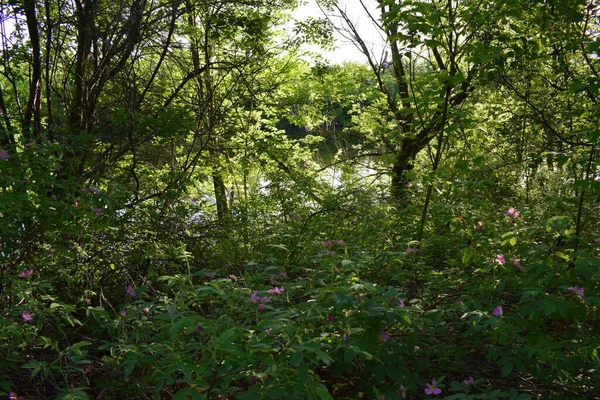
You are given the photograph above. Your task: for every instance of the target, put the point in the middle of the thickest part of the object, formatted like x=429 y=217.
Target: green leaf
x=325 y=357
x=394 y=373
x=507 y=369
x=302 y=374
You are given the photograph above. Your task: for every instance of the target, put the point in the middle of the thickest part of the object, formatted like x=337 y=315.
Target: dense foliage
x=191 y=209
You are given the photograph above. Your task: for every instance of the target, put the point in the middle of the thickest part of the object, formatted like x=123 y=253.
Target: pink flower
x=577 y=290
x=518 y=265
x=330 y=318
x=410 y=250
x=254 y=297
x=95 y=190
x=498 y=311
x=479 y=226
x=199 y=328
x=98 y=211
x=500 y=259
x=123 y=313
x=469 y=381
x=460 y=302
x=147 y=310
x=399 y=301
x=26 y=273
x=341 y=242
x=27 y=316
x=131 y=291
x=384 y=336
x=432 y=388
x=305 y=165
x=597 y=240
x=3 y=154
x=277 y=290
x=511 y=212
x=327 y=243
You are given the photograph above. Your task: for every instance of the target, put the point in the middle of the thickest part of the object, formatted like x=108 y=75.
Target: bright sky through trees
x=345 y=49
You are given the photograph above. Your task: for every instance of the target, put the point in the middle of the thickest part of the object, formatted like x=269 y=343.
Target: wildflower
x=399 y=301
x=517 y=264
x=330 y=318
x=341 y=242
x=76 y=203
x=232 y=276
x=384 y=336
x=268 y=331
x=130 y=291
x=498 y=311
x=500 y=259
x=283 y=274
x=95 y=190
x=479 y=226
x=199 y=328
x=254 y=297
x=577 y=290
x=14 y=396
x=469 y=381
x=254 y=379
x=26 y=273
x=277 y=290
x=194 y=200
x=147 y=310
x=402 y=391
x=54 y=197
x=123 y=313
x=296 y=217
x=3 y=154
x=512 y=213
x=432 y=388
x=29 y=144
x=98 y=211
x=597 y=240
x=305 y=165
x=410 y=250
x=460 y=302
x=346 y=337
x=27 y=316
x=327 y=243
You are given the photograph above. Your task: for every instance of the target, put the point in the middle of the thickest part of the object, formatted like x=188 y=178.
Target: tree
x=438 y=50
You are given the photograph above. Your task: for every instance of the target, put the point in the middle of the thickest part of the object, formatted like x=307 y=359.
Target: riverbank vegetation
x=193 y=207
